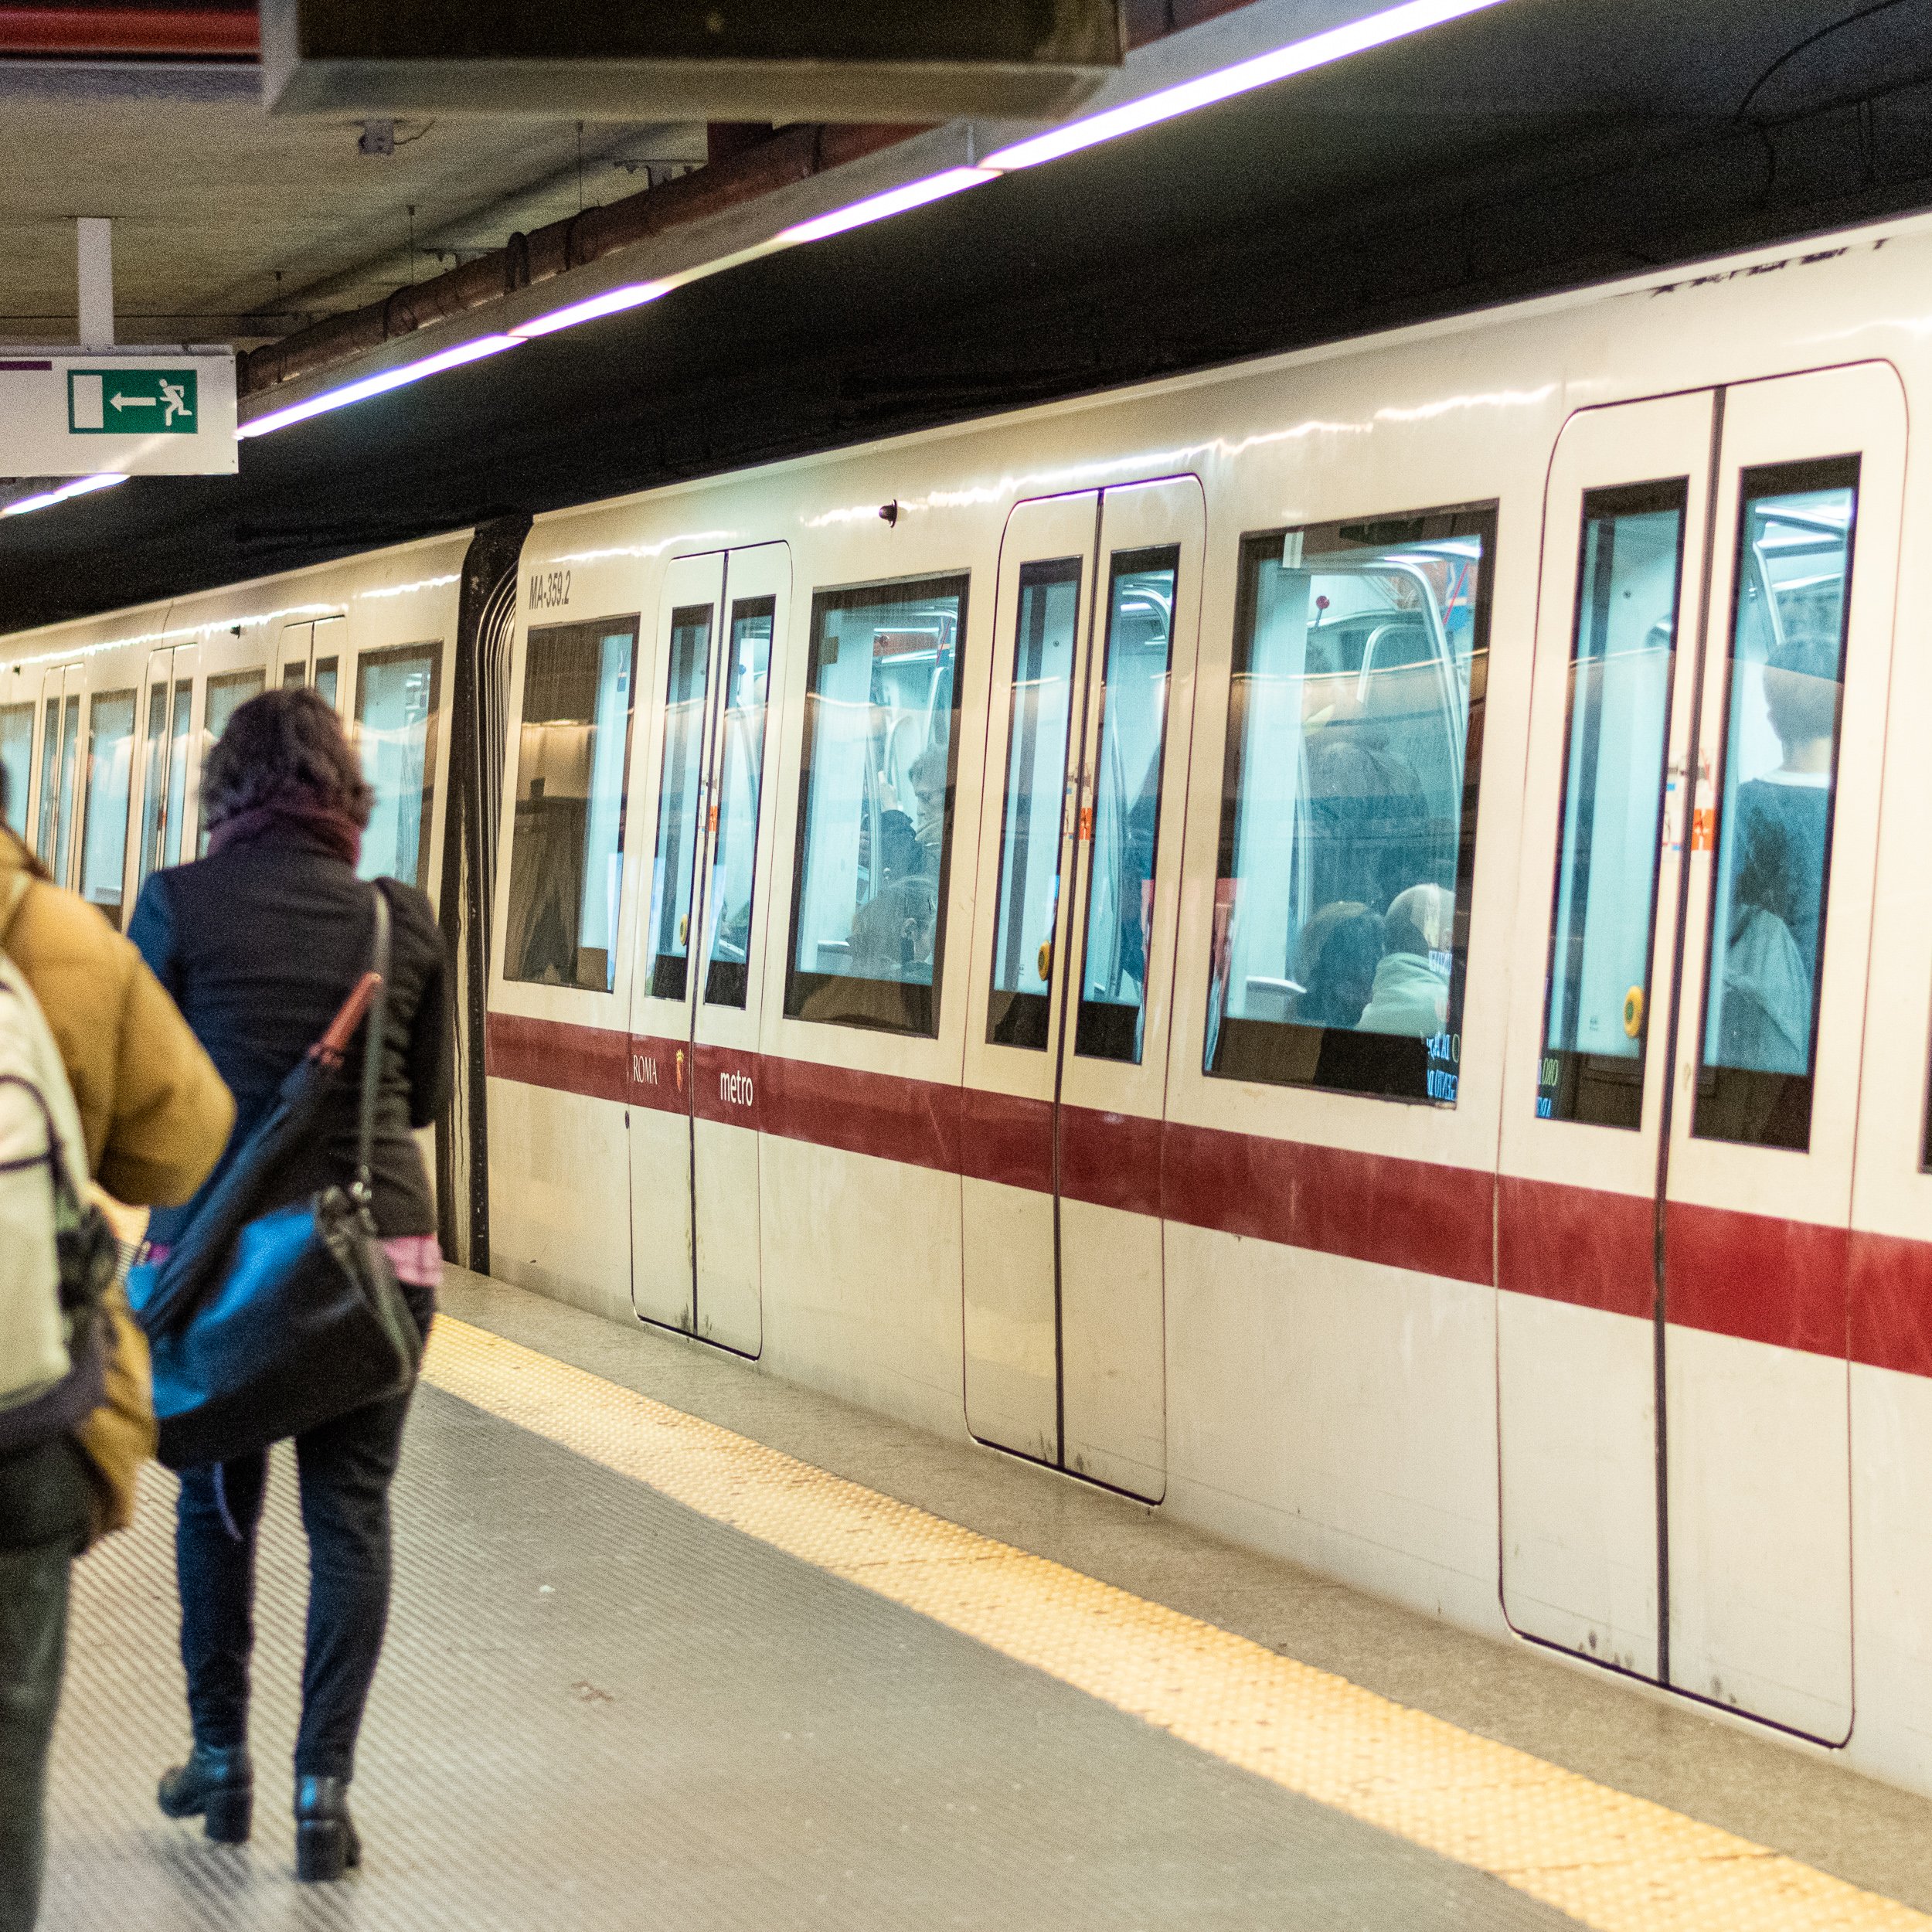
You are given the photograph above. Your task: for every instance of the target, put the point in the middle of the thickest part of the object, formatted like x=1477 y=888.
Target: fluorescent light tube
x=611 y=302
x=894 y=201
x=80 y=486
x=1318 y=50
x=335 y=399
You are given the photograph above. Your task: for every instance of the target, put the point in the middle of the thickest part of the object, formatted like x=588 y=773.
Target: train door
x=20 y=702
x=232 y=673
x=1066 y=1063
x=694 y=1146
x=107 y=785
x=1676 y=1161
x=61 y=690
x=165 y=754
x=311 y=653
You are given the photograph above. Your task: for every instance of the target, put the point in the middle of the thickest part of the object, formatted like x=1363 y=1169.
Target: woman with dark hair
x=260 y=942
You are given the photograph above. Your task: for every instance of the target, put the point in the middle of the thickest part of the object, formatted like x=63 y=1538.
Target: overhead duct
x=763 y=60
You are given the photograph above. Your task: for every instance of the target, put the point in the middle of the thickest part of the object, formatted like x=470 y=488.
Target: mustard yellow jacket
x=155 y=1113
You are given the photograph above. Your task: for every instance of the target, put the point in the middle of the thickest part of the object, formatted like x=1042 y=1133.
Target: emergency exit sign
x=77 y=412
x=99 y=401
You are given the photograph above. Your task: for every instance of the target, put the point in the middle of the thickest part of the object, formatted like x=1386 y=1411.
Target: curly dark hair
x=285 y=748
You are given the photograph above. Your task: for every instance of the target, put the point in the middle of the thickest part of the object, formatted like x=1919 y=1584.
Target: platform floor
x=675 y=1643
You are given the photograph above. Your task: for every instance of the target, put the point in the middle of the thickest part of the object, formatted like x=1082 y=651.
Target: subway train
x=1340 y=945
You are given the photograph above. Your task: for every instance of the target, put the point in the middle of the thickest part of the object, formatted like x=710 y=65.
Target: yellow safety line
x=1613 y=1861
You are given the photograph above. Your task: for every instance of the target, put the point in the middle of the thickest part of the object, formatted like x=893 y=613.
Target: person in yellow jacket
x=156 y=1116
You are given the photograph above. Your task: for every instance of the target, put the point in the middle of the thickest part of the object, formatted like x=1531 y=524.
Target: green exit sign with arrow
x=132 y=402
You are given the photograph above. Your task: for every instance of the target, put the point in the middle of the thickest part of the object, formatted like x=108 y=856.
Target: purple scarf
x=338 y=834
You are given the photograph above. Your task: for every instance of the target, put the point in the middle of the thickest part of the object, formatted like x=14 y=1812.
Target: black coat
x=259 y=945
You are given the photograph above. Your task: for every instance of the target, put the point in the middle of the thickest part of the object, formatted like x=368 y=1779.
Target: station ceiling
x=1542 y=145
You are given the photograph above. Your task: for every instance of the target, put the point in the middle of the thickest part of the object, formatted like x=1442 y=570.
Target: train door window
x=1786 y=669
x=875 y=823
x=48 y=825
x=295 y=674
x=1123 y=800
x=103 y=852
x=566 y=840
x=16 y=760
x=673 y=872
x=1044 y=643
x=227 y=695
x=180 y=726
x=69 y=757
x=396 y=709
x=1623 y=646
x=741 y=775
x=1348 y=812
x=327 y=680
x=154 y=781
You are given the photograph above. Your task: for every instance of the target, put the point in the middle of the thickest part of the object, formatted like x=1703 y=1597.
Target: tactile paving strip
x=1608 y=1860
x=598 y=1708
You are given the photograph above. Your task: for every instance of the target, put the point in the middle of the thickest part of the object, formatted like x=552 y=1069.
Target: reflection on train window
x=59 y=750
x=1349 y=805
x=179 y=726
x=396 y=703
x=1793 y=574
x=671 y=870
x=16 y=760
x=154 y=783
x=740 y=777
x=227 y=695
x=868 y=917
x=1048 y=616
x=566 y=841
x=1124 y=796
x=1622 y=647
x=110 y=751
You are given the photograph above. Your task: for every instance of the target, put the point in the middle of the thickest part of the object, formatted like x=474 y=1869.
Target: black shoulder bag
x=262 y=1328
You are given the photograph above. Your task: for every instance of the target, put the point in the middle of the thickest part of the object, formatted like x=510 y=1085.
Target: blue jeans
x=45 y=1492
x=345 y=1468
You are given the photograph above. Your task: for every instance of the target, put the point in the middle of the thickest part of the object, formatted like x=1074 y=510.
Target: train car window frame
x=525 y=904
x=1761 y=1105
x=1377 y=1061
x=368 y=748
x=908 y=1004
x=1603 y=1089
x=107 y=793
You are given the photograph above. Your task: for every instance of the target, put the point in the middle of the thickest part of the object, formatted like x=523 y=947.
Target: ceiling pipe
x=231 y=33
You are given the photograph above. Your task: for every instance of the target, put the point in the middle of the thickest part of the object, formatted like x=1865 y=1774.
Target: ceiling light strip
x=1280 y=63
x=80 y=486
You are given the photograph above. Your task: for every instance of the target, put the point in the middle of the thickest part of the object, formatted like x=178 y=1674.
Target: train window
x=396 y=711
x=153 y=782
x=672 y=870
x=327 y=680
x=1349 y=809
x=741 y=775
x=103 y=850
x=1124 y=799
x=227 y=695
x=868 y=909
x=1623 y=643
x=1029 y=853
x=58 y=748
x=16 y=760
x=1793 y=573
x=566 y=840
x=295 y=674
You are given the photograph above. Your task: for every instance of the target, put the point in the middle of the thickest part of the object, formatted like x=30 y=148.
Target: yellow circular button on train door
x=1634 y=1011
x=1047 y=959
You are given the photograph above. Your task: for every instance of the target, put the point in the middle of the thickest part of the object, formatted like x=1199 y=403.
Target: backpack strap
x=17 y=889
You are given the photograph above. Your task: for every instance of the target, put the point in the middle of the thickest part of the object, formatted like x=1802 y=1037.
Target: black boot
x=216 y=1785
x=325 y=1841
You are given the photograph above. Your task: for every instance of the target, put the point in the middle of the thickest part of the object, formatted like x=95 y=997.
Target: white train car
x=1339 y=945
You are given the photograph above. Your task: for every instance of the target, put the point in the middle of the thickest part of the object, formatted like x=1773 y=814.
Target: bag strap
x=17 y=889
x=362 y=1192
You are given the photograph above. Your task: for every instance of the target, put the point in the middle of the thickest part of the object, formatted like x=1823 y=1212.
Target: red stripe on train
x=1790 y=1284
